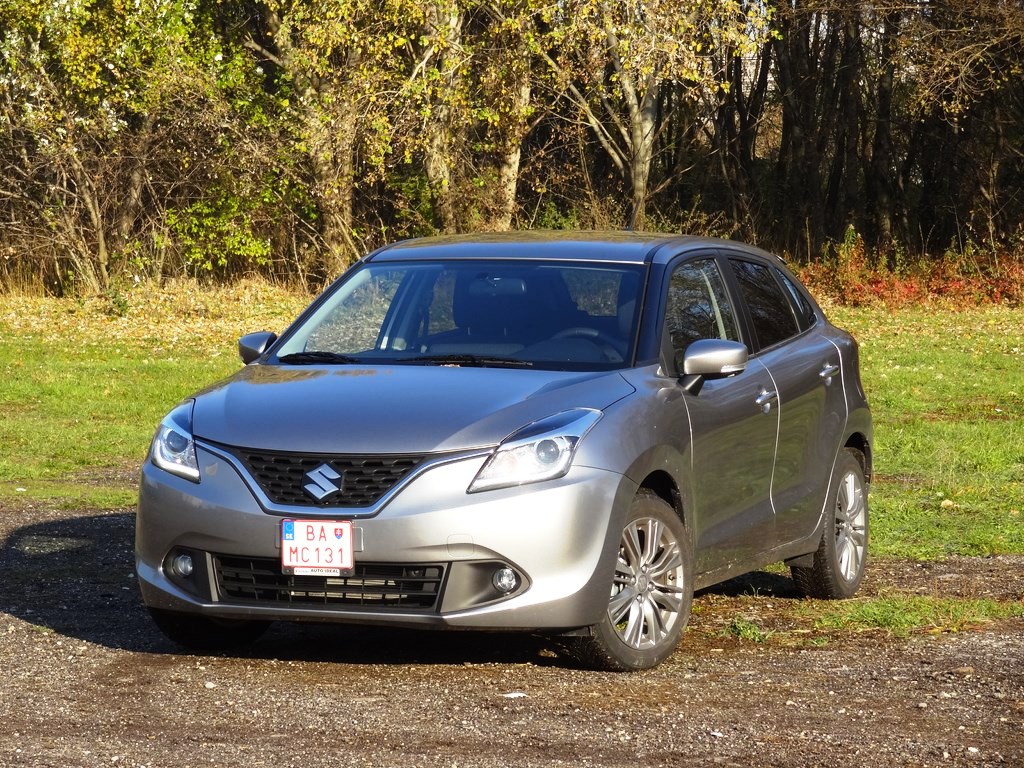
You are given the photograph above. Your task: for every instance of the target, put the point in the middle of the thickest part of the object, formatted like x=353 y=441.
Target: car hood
x=389 y=409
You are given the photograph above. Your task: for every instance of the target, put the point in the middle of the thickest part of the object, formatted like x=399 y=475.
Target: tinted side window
x=698 y=306
x=804 y=311
x=769 y=307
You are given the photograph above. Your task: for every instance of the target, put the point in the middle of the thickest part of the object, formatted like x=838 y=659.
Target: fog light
x=182 y=565
x=504 y=580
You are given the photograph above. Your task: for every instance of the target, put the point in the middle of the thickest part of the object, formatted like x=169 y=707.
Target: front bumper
x=560 y=537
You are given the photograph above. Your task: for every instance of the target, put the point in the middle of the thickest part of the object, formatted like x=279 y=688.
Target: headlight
x=173 y=449
x=539 y=451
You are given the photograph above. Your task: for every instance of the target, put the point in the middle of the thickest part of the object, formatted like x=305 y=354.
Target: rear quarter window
x=805 y=315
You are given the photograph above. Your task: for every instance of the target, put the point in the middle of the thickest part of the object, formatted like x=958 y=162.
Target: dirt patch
x=87 y=680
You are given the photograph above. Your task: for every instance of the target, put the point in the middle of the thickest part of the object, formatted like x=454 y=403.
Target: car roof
x=612 y=247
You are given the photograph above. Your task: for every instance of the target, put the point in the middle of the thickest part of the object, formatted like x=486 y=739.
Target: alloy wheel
x=851 y=526
x=648 y=590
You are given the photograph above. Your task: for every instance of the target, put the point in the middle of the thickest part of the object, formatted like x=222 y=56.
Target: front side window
x=698 y=306
x=549 y=315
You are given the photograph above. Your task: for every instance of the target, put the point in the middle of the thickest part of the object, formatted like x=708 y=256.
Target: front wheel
x=838 y=565
x=651 y=591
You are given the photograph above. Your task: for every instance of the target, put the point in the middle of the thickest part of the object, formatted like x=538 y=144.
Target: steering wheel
x=604 y=341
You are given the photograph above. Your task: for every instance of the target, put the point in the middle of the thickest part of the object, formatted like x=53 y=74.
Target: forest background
x=878 y=144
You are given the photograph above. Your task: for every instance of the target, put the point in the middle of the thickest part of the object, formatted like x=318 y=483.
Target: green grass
x=77 y=419
x=83 y=383
x=743 y=628
x=947 y=396
x=899 y=615
x=86 y=491
x=896 y=614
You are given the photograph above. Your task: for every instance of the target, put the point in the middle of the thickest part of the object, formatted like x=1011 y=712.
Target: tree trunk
x=505 y=194
x=641 y=101
x=804 y=59
x=508 y=167
x=880 y=170
x=443 y=32
x=332 y=151
x=437 y=156
x=99 y=275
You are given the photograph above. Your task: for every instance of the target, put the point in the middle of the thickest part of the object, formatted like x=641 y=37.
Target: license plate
x=316 y=548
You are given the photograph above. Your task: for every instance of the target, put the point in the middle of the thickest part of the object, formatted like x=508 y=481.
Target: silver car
x=563 y=434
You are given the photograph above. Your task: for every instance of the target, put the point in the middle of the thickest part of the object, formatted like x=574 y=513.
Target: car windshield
x=546 y=315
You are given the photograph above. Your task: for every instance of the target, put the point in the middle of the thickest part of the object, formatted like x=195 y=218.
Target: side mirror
x=253 y=345
x=710 y=359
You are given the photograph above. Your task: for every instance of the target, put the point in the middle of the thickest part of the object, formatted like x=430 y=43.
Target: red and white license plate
x=316 y=547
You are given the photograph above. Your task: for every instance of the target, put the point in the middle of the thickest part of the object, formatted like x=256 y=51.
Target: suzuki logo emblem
x=323 y=482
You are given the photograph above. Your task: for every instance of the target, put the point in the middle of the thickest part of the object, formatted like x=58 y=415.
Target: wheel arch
x=663 y=485
x=860 y=443
x=664 y=471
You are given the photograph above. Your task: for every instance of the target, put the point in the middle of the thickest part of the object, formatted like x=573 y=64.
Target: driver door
x=732 y=440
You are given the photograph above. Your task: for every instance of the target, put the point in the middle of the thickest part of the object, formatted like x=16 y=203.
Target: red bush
x=956 y=280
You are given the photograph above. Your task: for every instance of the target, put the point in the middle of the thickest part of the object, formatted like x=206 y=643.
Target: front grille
x=372 y=585
x=364 y=478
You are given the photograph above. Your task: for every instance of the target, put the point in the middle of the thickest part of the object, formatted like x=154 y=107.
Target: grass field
x=83 y=384
x=947 y=395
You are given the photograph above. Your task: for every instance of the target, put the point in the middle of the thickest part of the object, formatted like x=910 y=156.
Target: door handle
x=765 y=400
x=828 y=372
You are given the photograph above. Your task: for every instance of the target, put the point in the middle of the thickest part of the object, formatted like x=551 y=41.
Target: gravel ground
x=85 y=680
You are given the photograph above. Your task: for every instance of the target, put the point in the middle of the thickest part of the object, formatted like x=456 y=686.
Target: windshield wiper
x=474 y=361
x=312 y=358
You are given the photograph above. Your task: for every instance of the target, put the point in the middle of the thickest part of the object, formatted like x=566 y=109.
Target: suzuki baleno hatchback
x=562 y=434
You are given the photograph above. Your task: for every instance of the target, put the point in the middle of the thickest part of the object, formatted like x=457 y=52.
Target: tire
x=651 y=592
x=203 y=633
x=839 y=563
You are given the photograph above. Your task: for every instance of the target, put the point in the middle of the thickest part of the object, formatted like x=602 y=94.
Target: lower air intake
x=371 y=586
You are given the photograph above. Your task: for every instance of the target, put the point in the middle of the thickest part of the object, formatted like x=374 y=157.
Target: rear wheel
x=838 y=566
x=651 y=591
x=205 y=633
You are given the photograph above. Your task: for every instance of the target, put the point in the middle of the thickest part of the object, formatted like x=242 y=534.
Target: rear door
x=809 y=397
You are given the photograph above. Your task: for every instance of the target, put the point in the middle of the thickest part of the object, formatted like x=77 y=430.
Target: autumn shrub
x=848 y=274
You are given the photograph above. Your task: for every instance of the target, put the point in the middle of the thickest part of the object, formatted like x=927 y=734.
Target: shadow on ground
x=75 y=576
x=756 y=584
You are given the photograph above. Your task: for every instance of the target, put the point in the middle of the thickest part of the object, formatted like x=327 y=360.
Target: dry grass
x=158 y=317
